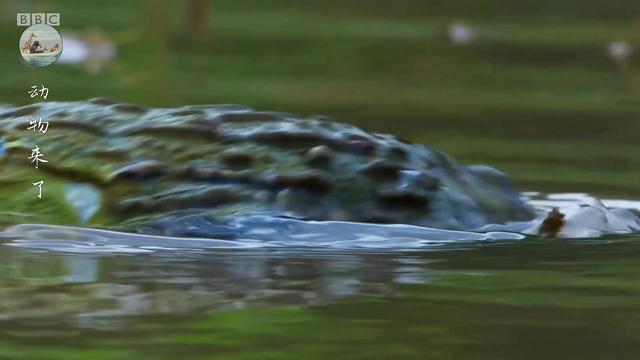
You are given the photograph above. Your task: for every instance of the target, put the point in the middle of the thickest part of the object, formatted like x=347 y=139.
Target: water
x=42 y=61
x=476 y=298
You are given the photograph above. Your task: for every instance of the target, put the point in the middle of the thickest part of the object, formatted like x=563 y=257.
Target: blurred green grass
x=536 y=95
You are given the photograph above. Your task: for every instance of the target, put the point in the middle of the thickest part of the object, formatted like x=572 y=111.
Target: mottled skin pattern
x=141 y=166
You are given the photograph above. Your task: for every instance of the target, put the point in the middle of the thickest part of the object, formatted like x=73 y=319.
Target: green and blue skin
x=79 y=175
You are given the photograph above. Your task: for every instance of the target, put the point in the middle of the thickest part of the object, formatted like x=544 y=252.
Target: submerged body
x=177 y=171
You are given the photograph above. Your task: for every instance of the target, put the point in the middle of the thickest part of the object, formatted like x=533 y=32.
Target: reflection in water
x=456 y=301
x=100 y=291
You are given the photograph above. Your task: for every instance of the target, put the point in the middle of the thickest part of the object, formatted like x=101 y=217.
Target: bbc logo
x=28 y=19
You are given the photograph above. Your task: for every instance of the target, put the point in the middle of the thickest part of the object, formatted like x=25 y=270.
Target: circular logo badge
x=40 y=45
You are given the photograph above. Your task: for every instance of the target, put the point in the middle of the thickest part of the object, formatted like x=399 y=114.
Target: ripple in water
x=586 y=218
x=254 y=232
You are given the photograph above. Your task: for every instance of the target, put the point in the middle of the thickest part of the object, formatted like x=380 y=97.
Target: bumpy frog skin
x=122 y=166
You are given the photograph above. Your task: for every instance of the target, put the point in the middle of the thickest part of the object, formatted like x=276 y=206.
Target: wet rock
x=320 y=156
x=21 y=111
x=362 y=147
x=263 y=196
x=381 y=170
x=398 y=154
x=308 y=181
x=420 y=180
x=284 y=198
x=102 y=101
x=59 y=124
x=130 y=108
x=294 y=138
x=185 y=198
x=189 y=112
x=215 y=174
x=201 y=131
x=253 y=117
x=379 y=218
x=402 y=198
x=140 y=170
x=236 y=159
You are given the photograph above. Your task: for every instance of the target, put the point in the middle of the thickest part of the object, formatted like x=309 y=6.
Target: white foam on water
x=585 y=216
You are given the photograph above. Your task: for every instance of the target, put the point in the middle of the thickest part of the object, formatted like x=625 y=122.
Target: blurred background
x=545 y=90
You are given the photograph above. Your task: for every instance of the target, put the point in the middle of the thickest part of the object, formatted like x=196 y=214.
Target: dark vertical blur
x=156 y=20
x=196 y=16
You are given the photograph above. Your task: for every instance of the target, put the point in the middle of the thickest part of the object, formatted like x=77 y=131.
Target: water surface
x=474 y=299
